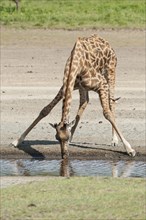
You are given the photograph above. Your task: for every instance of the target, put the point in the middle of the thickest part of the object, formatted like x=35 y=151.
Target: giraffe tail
x=116 y=99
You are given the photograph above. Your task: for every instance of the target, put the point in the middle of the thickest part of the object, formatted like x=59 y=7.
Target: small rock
x=31 y=205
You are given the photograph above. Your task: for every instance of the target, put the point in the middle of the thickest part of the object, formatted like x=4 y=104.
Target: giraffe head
x=63 y=135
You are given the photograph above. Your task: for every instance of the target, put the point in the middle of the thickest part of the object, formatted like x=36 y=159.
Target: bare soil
x=32 y=65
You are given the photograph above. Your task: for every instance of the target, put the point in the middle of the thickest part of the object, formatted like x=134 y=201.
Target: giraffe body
x=91 y=66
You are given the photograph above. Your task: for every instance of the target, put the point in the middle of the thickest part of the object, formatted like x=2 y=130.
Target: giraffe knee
x=108 y=115
x=44 y=112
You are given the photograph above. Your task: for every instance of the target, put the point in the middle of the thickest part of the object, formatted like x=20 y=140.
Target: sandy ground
x=7 y=181
x=32 y=65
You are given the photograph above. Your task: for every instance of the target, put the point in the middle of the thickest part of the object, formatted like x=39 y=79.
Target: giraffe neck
x=69 y=81
x=67 y=97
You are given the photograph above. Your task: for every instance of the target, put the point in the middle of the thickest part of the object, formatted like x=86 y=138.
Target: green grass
x=77 y=198
x=72 y=14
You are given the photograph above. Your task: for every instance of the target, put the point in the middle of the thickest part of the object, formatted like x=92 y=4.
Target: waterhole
x=33 y=167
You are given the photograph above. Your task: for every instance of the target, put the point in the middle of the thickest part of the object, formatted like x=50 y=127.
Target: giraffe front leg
x=44 y=112
x=84 y=99
x=18 y=141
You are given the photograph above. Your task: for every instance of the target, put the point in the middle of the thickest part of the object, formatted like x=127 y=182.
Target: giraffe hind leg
x=104 y=98
x=44 y=112
x=114 y=135
x=111 y=82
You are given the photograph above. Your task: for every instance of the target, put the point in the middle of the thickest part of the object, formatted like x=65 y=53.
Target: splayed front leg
x=18 y=141
x=131 y=152
x=44 y=112
x=128 y=147
x=84 y=99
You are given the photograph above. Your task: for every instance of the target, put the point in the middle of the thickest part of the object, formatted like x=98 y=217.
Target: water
x=34 y=167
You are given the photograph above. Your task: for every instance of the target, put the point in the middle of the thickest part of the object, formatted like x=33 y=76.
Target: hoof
x=132 y=153
x=16 y=142
x=114 y=143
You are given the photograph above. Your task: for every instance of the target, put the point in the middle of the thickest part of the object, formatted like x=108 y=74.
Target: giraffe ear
x=53 y=125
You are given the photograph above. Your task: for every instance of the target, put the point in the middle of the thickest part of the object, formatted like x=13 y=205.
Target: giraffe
x=91 y=66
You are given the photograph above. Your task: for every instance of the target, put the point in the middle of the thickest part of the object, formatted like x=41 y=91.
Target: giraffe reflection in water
x=68 y=168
